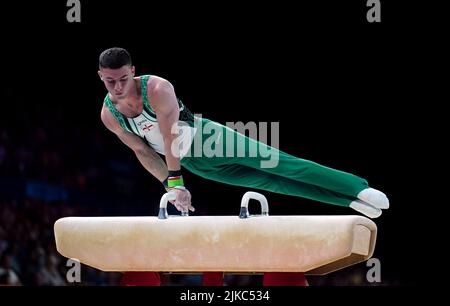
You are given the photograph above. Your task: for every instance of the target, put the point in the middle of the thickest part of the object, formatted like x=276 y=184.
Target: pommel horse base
x=315 y=245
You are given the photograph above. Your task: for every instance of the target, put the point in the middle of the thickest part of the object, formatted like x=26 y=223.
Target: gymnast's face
x=118 y=82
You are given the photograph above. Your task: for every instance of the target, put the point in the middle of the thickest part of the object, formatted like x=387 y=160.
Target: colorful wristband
x=175 y=179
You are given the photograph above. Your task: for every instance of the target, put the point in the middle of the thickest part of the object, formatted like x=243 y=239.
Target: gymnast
x=146 y=115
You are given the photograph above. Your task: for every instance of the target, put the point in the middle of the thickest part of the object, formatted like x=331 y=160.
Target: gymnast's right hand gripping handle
x=163 y=205
x=256 y=196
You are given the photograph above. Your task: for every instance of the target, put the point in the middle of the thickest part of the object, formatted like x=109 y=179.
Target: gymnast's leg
x=236 y=158
x=248 y=177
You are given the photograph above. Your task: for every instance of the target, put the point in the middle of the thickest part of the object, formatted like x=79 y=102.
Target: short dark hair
x=114 y=58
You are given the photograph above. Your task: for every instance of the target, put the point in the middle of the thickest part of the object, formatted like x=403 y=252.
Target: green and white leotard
x=146 y=126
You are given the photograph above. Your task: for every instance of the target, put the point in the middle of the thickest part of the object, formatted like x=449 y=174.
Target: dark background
x=344 y=91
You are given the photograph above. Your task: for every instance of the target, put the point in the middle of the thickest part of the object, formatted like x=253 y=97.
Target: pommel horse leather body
x=308 y=244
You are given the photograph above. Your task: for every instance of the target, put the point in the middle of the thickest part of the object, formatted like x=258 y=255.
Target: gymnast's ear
x=100 y=75
x=133 y=70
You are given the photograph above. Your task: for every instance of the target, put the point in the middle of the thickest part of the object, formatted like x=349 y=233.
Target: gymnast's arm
x=164 y=101
x=151 y=161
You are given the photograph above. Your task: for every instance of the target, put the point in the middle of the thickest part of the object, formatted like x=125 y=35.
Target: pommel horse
x=314 y=245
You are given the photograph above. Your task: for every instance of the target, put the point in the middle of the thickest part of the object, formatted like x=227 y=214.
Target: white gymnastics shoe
x=366 y=209
x=374 y=197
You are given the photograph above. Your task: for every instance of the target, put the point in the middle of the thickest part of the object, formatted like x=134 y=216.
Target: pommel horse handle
x=163 y=205
x=256 y=196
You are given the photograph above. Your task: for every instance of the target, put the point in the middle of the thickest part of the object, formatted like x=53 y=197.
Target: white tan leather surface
x=314 y=244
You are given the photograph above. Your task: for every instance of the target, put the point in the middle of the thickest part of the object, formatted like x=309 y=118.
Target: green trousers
x=221 y=154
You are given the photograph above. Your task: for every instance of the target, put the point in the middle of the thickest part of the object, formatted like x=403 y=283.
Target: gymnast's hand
x=183 y=199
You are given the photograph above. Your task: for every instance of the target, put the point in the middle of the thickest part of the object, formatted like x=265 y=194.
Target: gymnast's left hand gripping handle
x=168 y=196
